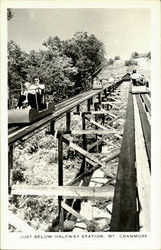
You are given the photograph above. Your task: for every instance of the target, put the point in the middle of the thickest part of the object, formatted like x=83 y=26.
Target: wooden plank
x=94 y=145
x=10 y=167
x=96 y=123
x=77 y=215
x=115 y=119
x=68 y=120
x=86 y=153
x=95 y=167
x=98 y=112
x=143 y=174
x=60 y=179
x=19 y=223
x=64 y=191
x=94 y=132
x=124 y=215
x=147 y=102
x=139 y=89
x=146 y=127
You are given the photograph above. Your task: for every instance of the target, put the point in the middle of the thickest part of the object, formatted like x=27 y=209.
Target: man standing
x=36 y=94
x=136 y=78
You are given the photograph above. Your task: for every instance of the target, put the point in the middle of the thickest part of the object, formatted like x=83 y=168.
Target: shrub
x=130 y=62
x=110 y=61
x=117 y=58
x=149 y=55
x=135 y=55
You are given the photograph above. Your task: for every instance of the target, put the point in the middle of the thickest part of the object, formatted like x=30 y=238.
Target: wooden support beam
x=105 y=92
x=90 y=132
x=70 y=192
x=60 y=160
x=10 y=167
x=98 y=112
x=52 y=125
x=99 y=97
x=95 y=167
x=111 y=104
x=108 y=132
x=112 y=99
x=75 y=214
x=85 y=153
x=96 y=123
x=68 y=120
x=89 y=104
x=19 y=223
x=84 y=142
x=143 y=174
x=115 y=119
x=78 y=108
x=94 y=145
x=124 y=213
x=60 y=180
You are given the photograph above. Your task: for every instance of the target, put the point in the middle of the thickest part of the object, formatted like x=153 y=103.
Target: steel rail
x=14 y=128
x=20 y=133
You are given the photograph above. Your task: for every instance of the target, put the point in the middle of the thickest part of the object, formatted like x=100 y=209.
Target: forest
x=60 y=65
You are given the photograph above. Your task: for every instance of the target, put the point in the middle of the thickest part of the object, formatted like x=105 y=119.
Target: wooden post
x=147 y=84
x=68 y=119
x=78 y=108
x=84 y=141
x=105 y=92
x=99 y=98
x=60 y=181
x=96 y=108
x=88 y=105
x=84 y=136
x=10 y=167
x=52 y=125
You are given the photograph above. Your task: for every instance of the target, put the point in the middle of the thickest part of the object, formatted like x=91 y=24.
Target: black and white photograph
x=80 y=144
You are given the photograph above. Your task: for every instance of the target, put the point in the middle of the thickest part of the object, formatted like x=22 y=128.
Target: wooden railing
x=131 y=205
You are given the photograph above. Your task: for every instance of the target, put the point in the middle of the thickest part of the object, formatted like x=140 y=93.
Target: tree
x=135 y=55
x=87 y=54
x=62 y=65
x=149 y=55
x=17 y=71
x=117 y=58
x=130 y=62
x=110 y=61
x=10 y=14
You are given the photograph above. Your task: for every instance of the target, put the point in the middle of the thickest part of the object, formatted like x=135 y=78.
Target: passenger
x=36 y=94
x=136 y=78
x=24 y=95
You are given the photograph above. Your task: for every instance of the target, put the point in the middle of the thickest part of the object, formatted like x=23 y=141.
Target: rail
x=131 y=203
x=89 y=162
x=21 y=132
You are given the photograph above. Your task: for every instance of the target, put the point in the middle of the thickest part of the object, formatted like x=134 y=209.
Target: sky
x=122 y=31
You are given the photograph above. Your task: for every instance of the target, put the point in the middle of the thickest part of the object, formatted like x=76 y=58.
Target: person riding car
x=33 y=95
x=137 y=79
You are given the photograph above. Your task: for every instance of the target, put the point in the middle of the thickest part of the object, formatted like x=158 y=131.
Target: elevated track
x=131 y=207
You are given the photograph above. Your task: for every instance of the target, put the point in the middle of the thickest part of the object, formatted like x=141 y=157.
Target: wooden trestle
x=129 y=204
